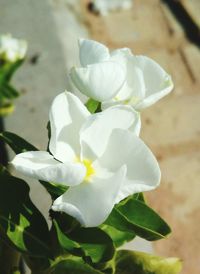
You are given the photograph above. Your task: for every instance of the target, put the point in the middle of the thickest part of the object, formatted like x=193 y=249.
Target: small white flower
x=99 y=156
x=145 y=81
x=12 y=49
x=99 y=77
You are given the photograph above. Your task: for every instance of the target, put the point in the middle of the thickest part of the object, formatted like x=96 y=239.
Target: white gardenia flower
x=100 y=157
x=99 y=77
x=145 y=81
x=12 y=49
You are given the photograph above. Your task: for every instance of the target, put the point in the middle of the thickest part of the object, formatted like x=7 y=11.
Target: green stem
x=9 y=259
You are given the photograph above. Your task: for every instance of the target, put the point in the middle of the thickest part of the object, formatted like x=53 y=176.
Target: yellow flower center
x=89 y=168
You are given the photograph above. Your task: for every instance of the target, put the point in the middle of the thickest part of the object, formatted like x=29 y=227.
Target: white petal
x=67 y=115
x=133 y=90
x=91 y=202
x=97 y=129
x=143 y=172
x=42 y=166
x=92 y=52
x=157 y=82
x=100 y=81
x=120 y=56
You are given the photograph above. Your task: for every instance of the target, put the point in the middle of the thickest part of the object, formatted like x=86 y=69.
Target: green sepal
x=132 y=262
x=22 y=226
x=93 y=106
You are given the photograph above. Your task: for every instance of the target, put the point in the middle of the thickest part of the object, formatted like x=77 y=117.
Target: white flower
x=99 y=156
x=146 y=82
x=12 y=49
x=99 y=77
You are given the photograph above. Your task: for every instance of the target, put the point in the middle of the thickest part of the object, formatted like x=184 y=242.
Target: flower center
x=89 y=168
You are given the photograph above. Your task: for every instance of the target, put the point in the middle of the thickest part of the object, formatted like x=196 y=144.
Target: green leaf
x=19 y=145
x=92 y=105
x=7 y=70
x=117 y=227
x=119 y=237
x=8 y=92
x=21 y=224
x=93 y=243
x=134 y=216
x=145 y=221
x=66 y=243
x=132 y=262
x=140 y=197
x=119 y=222
x=73 y=265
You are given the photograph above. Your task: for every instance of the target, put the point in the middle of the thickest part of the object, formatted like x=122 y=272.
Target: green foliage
x=73 y=265
x=146 y=222
x=7 y=92
x=132 y=262
x=22 y=226
x=93 y=244
x=7 y=69
x=118 y=237
x=93 y=106
x=16 y=143
x=132 y=215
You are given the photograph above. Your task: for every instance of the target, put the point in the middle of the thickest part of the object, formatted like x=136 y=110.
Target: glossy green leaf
x=119 y=222
x=119 y=237
x=21 y=223
x=134 y=216
x=66 y=243
x=73 y=265
x=93 y=243
x=145 y=221
x=132 y=262
x=19 y=145
x=92 y=105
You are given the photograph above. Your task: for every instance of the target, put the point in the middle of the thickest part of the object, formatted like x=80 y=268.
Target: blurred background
x=167 y=31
